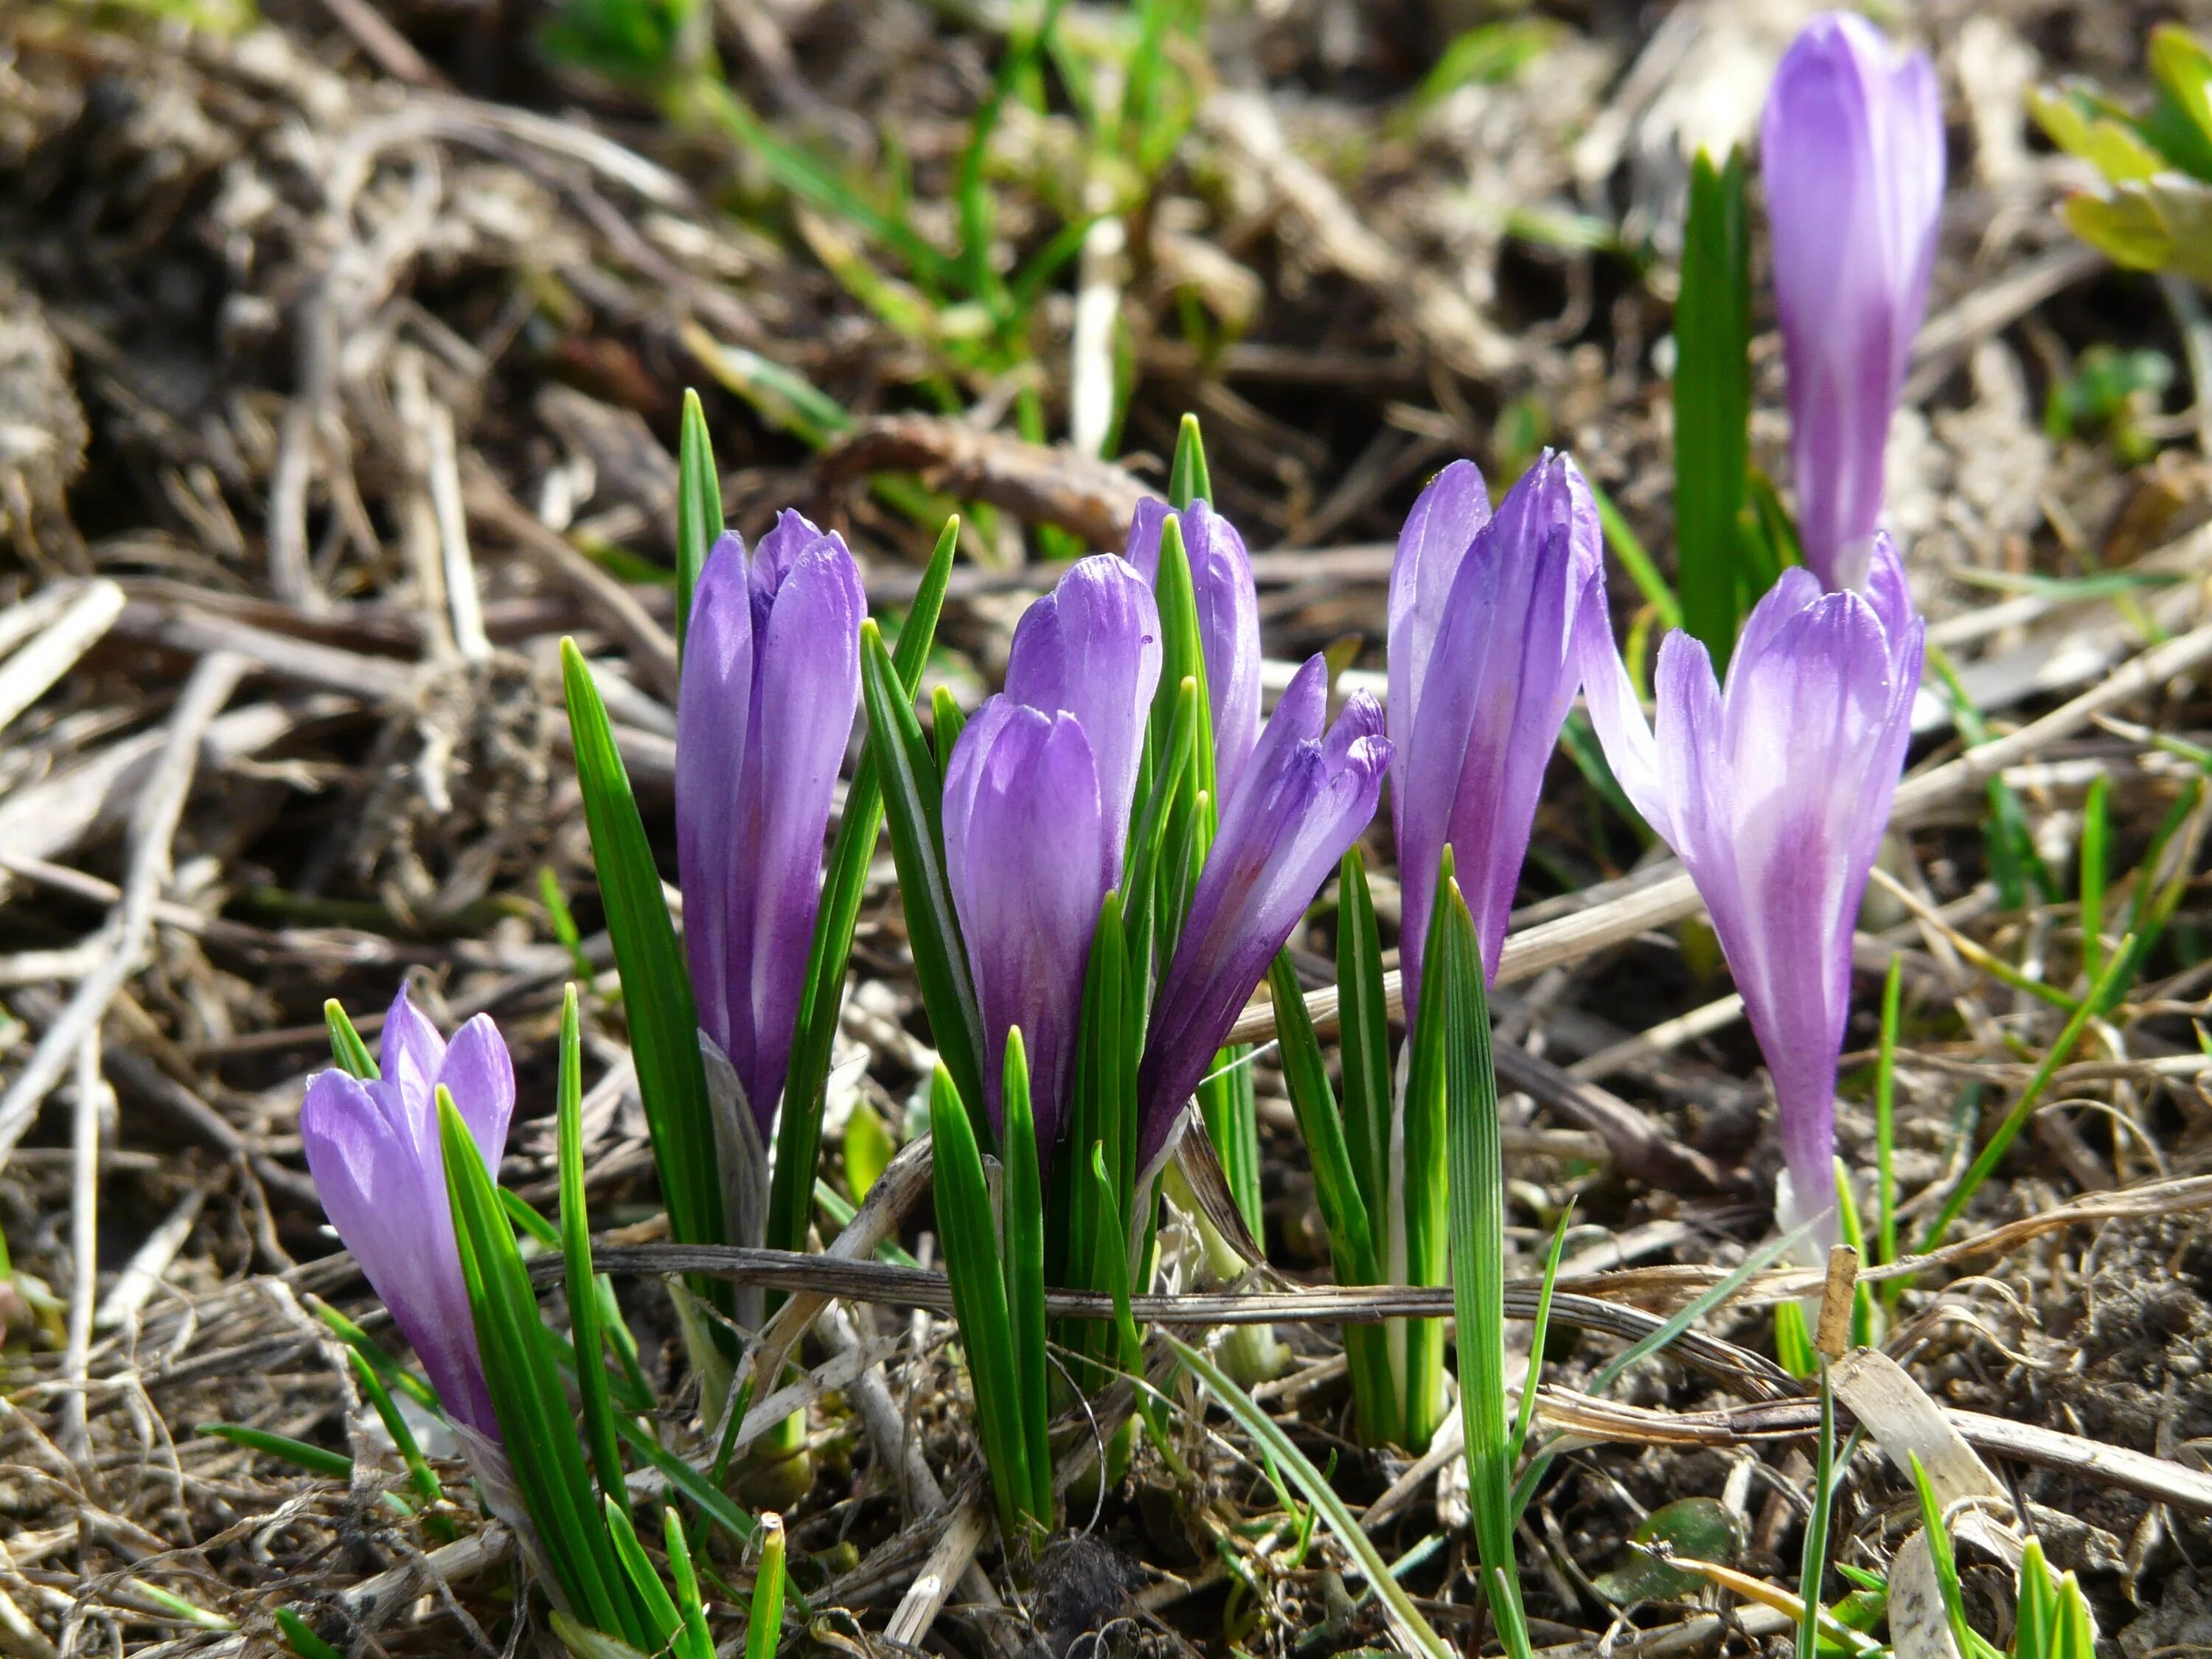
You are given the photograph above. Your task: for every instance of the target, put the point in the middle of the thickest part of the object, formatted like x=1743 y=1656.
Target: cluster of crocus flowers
x=770 y=681
x=373 y=1147
x=1774 y=789
x=1486 y=612
x=1852 y=152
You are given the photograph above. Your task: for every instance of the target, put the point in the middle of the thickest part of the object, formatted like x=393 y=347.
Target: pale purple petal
x=806 y=685
x=479 y=1074
x=1091 y=648
x=1228 y=622
x=1026 y=853
x=1302 y=801
x=1852 y=153
x=714 y=708
x=1618 y=717
x=1431 y=546
x=408 y=1052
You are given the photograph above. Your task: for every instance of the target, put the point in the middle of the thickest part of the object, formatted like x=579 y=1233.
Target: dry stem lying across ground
x=343 y=349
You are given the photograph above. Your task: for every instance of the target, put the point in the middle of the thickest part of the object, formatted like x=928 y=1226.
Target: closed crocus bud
x=1852 y=152
x=771 y=678
x=1035 y=814
x=1483 y=619
x=1228 y=622
x=373 y=1149
x=1774 y=790
x=1304 y=797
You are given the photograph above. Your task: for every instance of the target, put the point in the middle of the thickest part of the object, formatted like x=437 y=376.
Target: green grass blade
x=1023 y=1231
x=693 y=1640
x=1364 y=1027
x=534 y=1422
x=1189 y=479
x=1947 y=1564
x=420 y=1474
x=1712 y=404
x=798 y=1130
x=1813 y=1563
x=698 y=507
x=371 y=1353
x=1652 y=1341
x=764 y=1628
x=946 y=723
x=315 y=1460
x=1423 y=1192
x=1637 y=560
x=1526 y=1419
x=1419 y=1636
x=576 y=1253
x=347 y=1048
x=1884 y=1111
x=2015 y=1120
x=979 y=1302
x=1336 y=1187
x=2095 y=831
x=300 y=1638
x=912 y=790
x=1477 y=1257
x=664 y=1021
x=654 y=1603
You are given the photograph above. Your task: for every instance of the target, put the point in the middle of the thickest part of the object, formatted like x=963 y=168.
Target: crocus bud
x=1484 y=613
x=771 y=678
x=1304 y=797
x=1228 y=623
x=373 y=1151
x=1774 y=790
x=1035 y=814
x=1852 y=152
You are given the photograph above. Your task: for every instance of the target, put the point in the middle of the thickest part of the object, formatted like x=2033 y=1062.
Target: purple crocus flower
x=1304 y=798
x=1036 y=813
x=771 y=678
x=1774 y=790
x=1484 y=613
x=373 y=1151
x=1228 y=623
x=1852 y=152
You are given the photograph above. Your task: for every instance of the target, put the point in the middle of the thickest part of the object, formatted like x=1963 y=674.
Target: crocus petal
x=1027 y=850
x=1228 y=622
x=1431 y=547
x=479 y=1074
x=409 y=1052
x=1303 y=800
x=1852 y=151
x=375 y=1154
x=1091 y=648
x=1775 y=790
x=1497 y=657
x=806 y=685
x=713 y=706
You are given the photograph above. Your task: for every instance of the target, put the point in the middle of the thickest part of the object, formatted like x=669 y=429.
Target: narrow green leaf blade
x=1188 y=478
x=764 y=1628
x=1023 y=1231
x=347 y=1048
x=576 y=1252
x=664 y=1021
x=979 y=1300
x=698 y=507
x=1712 y=403
x=912 y=788
x=1478 y=1254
